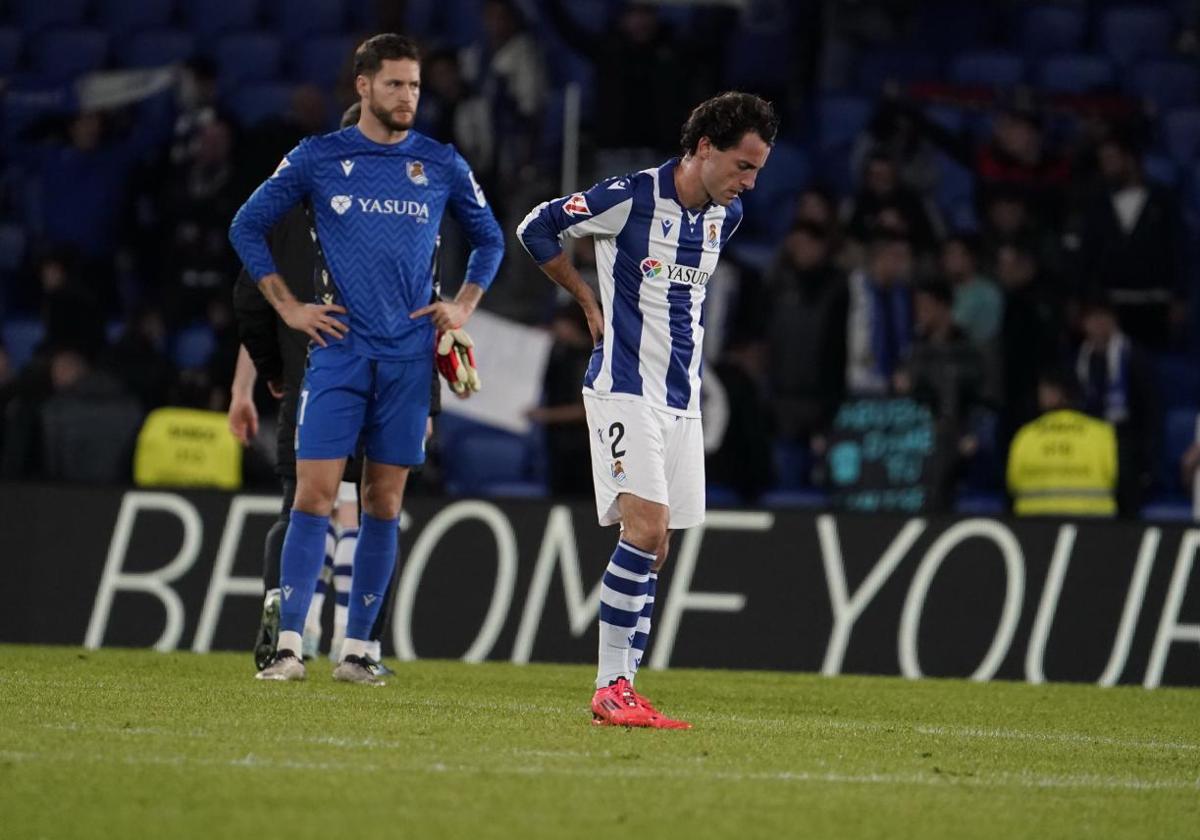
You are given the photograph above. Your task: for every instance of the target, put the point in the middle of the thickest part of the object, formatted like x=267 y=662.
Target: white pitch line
x=996 y=781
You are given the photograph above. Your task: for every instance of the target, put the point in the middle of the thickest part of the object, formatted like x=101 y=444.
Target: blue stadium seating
x=792 y=463
x=1178 y=380
x=1076 y=73
x=322 y=60
x=1045 y=30
x=295 y=19
x=1130 y=32
x=769 y=205
x=32 y=15
x=840 y=119
x=483 y=459
x=10 y=49
x=759 y=60
x=1179 y=432
x=12 y=246
x=1168 y=83
x=192 y=346
x=207 y=19
x=363 y=15
x=244 y=57
x=155 y=48
x=131 y=15
x=1181 y=134
x=1162 y=169
x=62 y=54
x=21 y=337
x=252 y=104
x=880 y=66
x=952 y=25
x=992 y=68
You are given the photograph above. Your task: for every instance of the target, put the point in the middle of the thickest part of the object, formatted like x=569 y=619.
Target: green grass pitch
x=128 y=744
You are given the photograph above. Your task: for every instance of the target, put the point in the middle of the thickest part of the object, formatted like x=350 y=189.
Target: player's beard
x=388 y=119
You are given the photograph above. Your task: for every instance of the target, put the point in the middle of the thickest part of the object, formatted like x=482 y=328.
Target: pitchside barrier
x=1101 y=602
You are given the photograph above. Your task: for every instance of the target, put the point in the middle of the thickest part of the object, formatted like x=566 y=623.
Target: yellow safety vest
x=1064 y=464
x=187 y=447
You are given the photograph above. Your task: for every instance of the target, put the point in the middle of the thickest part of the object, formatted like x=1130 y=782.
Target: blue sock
x=622 y=599
x=638 y=648
x=374 y=562
x=303 y=556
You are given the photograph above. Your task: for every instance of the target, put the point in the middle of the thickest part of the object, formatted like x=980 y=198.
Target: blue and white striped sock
x=622 y=597
x=642 y=634
x=343 y=567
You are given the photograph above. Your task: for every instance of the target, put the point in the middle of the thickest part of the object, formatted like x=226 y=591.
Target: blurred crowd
x=855 y=275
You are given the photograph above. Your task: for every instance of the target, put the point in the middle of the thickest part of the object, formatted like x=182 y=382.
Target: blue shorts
x=345 y=394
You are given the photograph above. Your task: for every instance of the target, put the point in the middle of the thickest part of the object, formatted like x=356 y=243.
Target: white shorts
x=652 y=454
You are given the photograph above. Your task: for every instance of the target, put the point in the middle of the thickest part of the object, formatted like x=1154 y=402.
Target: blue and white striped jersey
x=654 y=258
x=376 y=210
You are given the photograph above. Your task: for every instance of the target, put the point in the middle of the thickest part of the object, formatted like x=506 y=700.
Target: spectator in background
x=1118 y=387
x=1130 y=244
x=978 y=304
x=892 y=133
x=561 y=412
x=196 y=105
x=944 y=371
x=507 y=71
x=138 y=358
x=262 y=146
x=450 y=114
x=198 y=200
x=71 y=313
x=1007 y=218
x=1030 y=336
x=1064 y=463
x=879 y=323
x=806 y=307
x=883 y=203
x=637 y=53
x=739 y=455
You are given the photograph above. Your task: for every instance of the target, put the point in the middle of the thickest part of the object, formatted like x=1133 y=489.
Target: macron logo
x=368 y=600
x=347 y=165
x=340 y=203
x=287 y=592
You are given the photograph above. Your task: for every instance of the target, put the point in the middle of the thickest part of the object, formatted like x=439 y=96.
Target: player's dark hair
x=371 y=53
x=726 y=118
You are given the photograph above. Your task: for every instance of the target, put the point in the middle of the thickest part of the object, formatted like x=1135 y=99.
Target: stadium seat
x=1181 y=134
x=34 y=15
x=132 y=15
x=840 y=119
x=322 y=60
x=1178 y=380
x=1050 y=29
x=254 y=103
x=990 y=68
x=10 y=49
x=1179 y=432
x=363 y=15
x=484 y=459
x=792 y=463
x=155 y=48
x=1167 y=83
x=191 y=347
x=12 y=246
x=1128 y=33
x=949 y=25
x=295 y=19
x=207 y=19
x=1161 y=169
x=980 y=504
x=457 y=23
x=245 y=57
x=21 y=337
x=769 y=205
x=1167 y=509
x=759 y=60
x=1076 y=73
x=62 y=54
x=880 y=66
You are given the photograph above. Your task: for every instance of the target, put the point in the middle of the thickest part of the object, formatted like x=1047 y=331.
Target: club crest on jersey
x=576 y=205
x=651 y=268
x=711 y=241
x=341 y=203
x=416 y=173
x=618 y=472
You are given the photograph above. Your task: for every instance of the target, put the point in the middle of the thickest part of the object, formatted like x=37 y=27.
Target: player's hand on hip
x=445 y=314
x=243 y=419
x=316 y=319
x=595 y=322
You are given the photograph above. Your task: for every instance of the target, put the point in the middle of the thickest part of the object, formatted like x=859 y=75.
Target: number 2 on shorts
x=615 y=432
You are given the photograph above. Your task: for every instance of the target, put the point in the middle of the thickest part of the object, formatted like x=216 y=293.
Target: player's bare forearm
x=563 y=273
x=244 y=375
x=452 y=314
x=313 y=319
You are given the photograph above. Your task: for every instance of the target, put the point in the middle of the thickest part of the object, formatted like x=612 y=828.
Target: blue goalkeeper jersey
x=376 y=210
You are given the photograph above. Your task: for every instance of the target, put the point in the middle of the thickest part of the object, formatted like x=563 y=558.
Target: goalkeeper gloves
x=456 y=360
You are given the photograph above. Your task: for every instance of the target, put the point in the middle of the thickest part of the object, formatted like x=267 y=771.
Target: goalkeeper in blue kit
x=376 y=191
